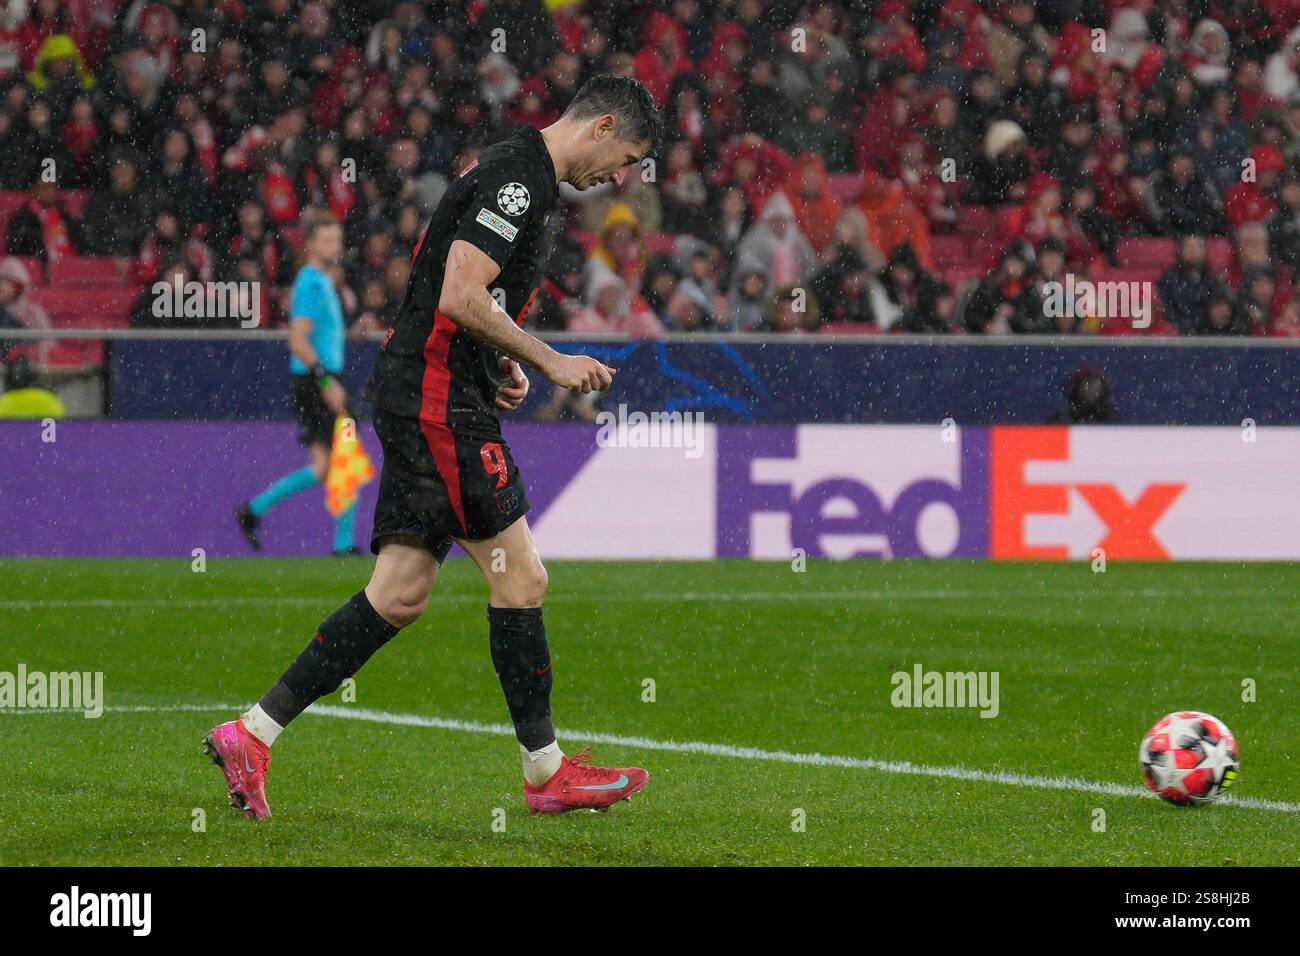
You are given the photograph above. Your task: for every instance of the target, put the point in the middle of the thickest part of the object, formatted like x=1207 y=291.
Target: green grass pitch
x=745 y=655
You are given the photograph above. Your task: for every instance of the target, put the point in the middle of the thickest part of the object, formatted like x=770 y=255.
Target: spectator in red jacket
x=1074 y=64
x=168 y=243
x=937 y=200
x=887 y=121
x=325 y=184
x=531 y=105
x=1041 y=217
x=1118 y=192
x=80 y=134
x=727 y=54
x=1252 y=199
x=895 y=38
x=759 y=167
x=1248 y=80
x=43 y=226
x=663 y=57
x=967 y=21
x=816 y=208
x=1129 y=46
x=1287 y=323
x=339 y=90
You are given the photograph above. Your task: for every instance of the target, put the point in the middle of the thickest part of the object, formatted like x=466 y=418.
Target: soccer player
x=451 y=358
x=316 y=333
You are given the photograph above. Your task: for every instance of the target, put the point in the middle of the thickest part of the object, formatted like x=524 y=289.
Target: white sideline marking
x=679 y=597
x=905 y=767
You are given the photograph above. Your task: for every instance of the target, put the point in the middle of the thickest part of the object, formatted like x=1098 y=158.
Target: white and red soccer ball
x=1189 y=757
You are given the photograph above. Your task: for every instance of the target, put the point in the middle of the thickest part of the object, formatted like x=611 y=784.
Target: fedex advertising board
x=760 y=492
x=1016 y=493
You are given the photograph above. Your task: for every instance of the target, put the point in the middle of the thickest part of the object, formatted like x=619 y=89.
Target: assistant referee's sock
x=345 y=530
x=294 y=483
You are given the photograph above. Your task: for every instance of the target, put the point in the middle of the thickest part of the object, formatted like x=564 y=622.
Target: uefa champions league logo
x=513 y=199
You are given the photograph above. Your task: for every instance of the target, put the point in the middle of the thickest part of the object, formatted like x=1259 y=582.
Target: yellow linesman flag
x=350 y=467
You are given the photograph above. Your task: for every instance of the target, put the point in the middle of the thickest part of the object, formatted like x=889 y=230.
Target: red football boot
x=577 y=785
x=244 y=760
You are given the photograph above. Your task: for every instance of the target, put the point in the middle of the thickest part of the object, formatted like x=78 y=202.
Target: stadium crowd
x=889 y=166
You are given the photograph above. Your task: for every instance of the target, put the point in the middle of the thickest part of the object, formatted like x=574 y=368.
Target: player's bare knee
x=399 y=607
x=399 y=600
x=407 y=612
x=522 y=589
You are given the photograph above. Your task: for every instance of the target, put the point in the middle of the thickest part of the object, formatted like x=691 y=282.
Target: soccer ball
x=1189 y=757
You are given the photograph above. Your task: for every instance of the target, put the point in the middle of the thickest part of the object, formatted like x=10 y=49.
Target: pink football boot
x=577 y=785
x=244 y=760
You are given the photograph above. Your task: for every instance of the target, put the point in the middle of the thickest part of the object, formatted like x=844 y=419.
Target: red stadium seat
x=950 y=250
x=35 y=268
x=82 y=271
x=68 y=354
x=1147 y=253
x=71 y=307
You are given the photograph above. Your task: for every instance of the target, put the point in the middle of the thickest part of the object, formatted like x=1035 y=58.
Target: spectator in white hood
x=777 y=244
x=610 y=308
x=1209 y=53
x=15 y=283
x=1280 y=73
x=750 y=294
x=1129 y=37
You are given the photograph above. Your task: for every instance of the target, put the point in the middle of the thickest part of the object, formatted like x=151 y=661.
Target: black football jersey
x=428 y=368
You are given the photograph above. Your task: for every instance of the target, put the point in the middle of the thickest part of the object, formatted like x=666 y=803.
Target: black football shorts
x=314 y=416
x=441 y=482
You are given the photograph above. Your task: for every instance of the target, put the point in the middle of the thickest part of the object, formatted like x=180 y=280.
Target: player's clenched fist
x=580 y=373
x=512 y=395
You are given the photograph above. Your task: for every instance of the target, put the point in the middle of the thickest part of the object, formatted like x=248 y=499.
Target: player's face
x=611 y=160
x=327 y=244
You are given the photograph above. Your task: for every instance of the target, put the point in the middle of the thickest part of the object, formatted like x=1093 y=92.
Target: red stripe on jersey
x=434 y=392
x=519 y=319
x=415 y=253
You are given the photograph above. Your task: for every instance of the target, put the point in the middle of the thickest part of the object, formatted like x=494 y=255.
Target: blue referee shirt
x=314 y=298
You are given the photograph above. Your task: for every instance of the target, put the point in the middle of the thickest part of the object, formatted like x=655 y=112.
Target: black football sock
x=339 y=648
x=523 y=664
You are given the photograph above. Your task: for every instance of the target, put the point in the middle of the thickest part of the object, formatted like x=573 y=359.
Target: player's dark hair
x=318 y=220
x=627 y=101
